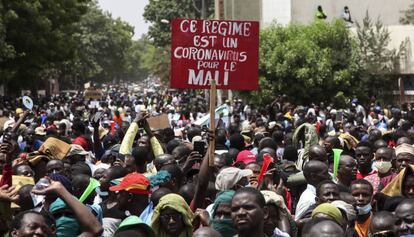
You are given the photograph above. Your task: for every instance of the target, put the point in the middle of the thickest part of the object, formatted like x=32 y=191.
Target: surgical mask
x=364 y=210
x=383 y=166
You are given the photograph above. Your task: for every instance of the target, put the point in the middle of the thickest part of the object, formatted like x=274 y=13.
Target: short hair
x=267 y=142
x=80 y=168
x=363 y=182
x=171 y=145
x=278 y=136
x=116 y=172
x=140 y=155
x=365 y=144
x=256 y=193
x=318 y=188
x=16 y=223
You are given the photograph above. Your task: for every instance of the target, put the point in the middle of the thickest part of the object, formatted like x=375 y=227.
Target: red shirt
x=361 y=176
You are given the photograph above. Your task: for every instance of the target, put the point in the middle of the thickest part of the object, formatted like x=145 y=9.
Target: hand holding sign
x=27 y=102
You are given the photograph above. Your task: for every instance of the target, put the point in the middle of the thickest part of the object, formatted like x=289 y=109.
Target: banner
x=206 y=50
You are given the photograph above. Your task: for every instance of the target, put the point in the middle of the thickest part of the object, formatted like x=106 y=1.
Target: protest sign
x=94 y=94
x=159 y=122
x=206 y=50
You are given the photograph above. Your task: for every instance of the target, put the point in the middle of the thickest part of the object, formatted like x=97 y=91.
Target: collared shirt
x=306 y=200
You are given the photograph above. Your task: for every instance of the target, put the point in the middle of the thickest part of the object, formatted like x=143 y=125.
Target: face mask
x=224 y=226
x=364 y=210
x=383 y=166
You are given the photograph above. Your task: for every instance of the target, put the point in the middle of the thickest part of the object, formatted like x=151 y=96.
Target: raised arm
x=126 y=145
x=90 y=225
x=203 y=178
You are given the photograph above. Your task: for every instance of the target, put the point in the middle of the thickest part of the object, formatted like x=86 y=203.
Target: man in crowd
x=158 y=182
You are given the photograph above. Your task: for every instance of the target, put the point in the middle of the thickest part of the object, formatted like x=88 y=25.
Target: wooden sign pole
x=211 y=147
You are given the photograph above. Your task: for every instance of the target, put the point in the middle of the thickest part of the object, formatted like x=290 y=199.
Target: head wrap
x=177 y=203
x=404 y=148
x=347 y=208
x=394 y=188
x=275 y=199
x=222 y=197
x=330 y=210
x=349 y=141
x=161 y=177
x=228 y=177
x=311 y=137
x=224 y=226
x=65 y=225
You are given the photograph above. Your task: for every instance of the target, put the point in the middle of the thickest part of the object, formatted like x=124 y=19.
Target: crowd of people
x=72 y=166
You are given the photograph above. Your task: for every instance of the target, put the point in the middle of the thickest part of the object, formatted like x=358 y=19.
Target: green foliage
x=408 y=17
x=158 y=11
x=156 y=60
x=37 y=33
x=308 y=63
x=72 y=41
x=103 y=46
x=377 y=61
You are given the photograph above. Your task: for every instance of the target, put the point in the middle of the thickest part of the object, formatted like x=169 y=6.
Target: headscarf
x=275 y=199
x=311 y=138
x=222 y=197
x=177 y=203
x=228 y=177
x=349 y=141
x=394 y=188
x=330 y=210
x=66 y=225
x=347 y=208
x=224 y=226
x=404 y=148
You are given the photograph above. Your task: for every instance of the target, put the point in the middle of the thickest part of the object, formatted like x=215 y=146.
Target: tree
x=408 y=17
x=379 y=63
x=161 y=12
x=307 y=63
x=37 y=33
x=102 y=51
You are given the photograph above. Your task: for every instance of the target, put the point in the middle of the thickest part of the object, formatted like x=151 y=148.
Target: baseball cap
x=40 y=131
x=132 y=221
x=133 y=183
x=77 y=150
x=246 y=157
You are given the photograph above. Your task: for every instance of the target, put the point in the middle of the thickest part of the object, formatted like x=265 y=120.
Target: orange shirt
x=363 y=228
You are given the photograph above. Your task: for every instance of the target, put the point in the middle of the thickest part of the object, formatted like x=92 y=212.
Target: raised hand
x=8 y=194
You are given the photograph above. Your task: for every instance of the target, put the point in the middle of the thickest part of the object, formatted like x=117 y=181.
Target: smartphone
x=200 y=147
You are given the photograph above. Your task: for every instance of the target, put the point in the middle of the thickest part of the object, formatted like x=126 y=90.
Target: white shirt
x=306 y=200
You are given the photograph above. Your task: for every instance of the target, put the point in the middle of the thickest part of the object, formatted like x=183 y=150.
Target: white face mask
x=383 y=166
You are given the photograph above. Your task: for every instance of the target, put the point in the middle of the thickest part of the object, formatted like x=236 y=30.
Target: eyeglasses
x=384 y=233
x=168 y=217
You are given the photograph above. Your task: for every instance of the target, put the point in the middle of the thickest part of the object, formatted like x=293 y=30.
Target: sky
x=128 y=10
